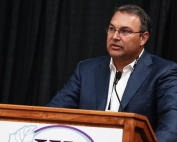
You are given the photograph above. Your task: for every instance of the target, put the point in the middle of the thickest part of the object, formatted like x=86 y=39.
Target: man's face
x=125 y=48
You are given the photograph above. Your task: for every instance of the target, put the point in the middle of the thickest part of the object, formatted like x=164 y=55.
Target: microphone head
x=118 y=75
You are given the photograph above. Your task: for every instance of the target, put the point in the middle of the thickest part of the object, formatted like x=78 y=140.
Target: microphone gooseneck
x=117 y=78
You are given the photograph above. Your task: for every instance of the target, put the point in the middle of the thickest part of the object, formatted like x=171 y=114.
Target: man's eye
x=111 y=29
x=125 y=31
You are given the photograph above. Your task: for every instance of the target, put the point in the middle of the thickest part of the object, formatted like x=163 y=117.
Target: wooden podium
x=136 y=128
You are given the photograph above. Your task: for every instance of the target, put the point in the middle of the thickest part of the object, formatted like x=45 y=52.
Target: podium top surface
x=50 y=115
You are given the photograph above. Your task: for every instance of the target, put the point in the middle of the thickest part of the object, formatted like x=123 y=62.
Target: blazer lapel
x=102 y=80
x=139 y=74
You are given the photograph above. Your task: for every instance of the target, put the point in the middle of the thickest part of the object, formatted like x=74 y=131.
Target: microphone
x=117 y=78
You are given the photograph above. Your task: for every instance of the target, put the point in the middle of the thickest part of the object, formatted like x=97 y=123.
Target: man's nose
x=116 y=35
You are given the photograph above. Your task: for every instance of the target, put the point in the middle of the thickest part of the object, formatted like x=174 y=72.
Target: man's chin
x=116 y=55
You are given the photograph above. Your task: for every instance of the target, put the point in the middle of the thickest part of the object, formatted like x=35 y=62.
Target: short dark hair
x=145 y=21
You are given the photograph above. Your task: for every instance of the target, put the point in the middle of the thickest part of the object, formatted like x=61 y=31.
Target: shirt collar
x=129 y=66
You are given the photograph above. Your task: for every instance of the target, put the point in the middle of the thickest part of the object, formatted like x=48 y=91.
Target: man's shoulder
x=96 y=60
x=159 y=60
x=93 y=63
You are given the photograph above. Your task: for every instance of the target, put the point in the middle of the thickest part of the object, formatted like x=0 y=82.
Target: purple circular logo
x=61 y=133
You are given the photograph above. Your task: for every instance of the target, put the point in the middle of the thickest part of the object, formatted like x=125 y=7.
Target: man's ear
x=144 y=38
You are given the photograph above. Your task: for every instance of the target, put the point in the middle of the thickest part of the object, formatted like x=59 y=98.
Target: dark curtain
x=41 y=41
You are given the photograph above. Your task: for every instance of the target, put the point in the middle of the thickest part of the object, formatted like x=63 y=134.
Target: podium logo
x=61 y=133
x=51 y=133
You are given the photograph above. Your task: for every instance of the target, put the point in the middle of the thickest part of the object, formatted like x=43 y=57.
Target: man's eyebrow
x=111 y=25
x=124 y=27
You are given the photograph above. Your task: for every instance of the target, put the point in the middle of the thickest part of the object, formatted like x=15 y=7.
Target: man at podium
x=129 y=80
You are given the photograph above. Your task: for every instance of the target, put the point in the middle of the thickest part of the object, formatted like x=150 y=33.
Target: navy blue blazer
x=151 y=91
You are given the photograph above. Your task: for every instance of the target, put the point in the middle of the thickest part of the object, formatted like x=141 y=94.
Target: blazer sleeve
x=167 y=105
x=68 y=96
